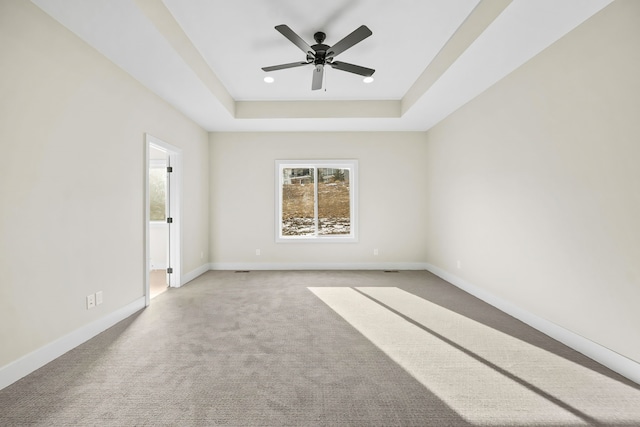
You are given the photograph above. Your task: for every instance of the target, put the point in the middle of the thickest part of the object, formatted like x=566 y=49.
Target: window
x=158 y=190
x=316 y=200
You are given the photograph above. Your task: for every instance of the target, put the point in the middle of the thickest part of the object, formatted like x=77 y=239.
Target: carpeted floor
x=330 y=348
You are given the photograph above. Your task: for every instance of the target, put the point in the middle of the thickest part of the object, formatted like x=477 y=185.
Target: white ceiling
x=430 y=56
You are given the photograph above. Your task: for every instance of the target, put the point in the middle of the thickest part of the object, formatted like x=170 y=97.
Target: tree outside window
x=158 y=193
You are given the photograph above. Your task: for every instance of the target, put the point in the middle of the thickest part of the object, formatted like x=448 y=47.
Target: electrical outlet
x=91 y=301
x=257 y=251
x=375 y=252
x=459 y=264
x=98 y=297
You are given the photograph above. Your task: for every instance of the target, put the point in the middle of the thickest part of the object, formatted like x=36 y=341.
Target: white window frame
x=350 y=164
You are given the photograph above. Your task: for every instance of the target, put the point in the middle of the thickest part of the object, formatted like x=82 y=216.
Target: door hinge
x=169 y=220
x=169 y=169
x=169 y=270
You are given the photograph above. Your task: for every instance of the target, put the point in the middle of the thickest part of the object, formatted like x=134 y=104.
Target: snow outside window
x=316 y=200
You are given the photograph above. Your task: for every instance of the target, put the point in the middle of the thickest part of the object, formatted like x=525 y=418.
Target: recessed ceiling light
x=269 y=79
x=368 y=79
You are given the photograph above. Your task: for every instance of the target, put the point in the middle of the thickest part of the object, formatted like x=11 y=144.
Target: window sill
x=306 y=239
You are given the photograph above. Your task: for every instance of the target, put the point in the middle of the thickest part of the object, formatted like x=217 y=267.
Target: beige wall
x=72 y=129
x=535 y=185
x=391 y=202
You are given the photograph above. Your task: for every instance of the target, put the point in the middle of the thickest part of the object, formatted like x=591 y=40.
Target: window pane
x=157 y=193
x=334 y=211
x=298 y=210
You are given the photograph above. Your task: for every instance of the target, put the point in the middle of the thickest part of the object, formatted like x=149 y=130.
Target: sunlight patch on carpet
x=486 y=376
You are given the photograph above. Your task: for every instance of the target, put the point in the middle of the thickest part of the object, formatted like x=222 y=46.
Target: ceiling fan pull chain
x=325 y=81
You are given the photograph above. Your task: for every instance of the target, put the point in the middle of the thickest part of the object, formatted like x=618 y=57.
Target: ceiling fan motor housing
x=321 y=53
x=319 y=48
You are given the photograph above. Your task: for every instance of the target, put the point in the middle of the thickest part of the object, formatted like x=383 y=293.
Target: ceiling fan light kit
x=321 y=54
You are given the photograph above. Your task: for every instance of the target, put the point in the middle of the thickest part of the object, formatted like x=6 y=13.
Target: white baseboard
x=186 y=278
x=318 y=266
x=25 y=365
x=609 y=358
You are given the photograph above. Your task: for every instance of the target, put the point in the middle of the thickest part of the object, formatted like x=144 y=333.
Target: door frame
x=174 y=260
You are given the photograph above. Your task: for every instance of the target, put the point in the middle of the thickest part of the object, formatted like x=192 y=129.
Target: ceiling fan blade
x=284 y=66
x=350 y=68
x=295 y=39
x=359 y=34
x=318 y=72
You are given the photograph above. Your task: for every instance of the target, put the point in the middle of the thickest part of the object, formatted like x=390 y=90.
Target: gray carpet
x=321 y=348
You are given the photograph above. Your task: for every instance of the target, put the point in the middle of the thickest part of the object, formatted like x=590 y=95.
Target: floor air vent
x=241 y=271
x=391 y=271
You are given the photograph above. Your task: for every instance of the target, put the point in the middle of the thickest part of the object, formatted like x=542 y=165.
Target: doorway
x=159 y=211
x=162 y=219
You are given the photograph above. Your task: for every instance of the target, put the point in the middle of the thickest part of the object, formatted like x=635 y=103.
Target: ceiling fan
x=320 y=54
